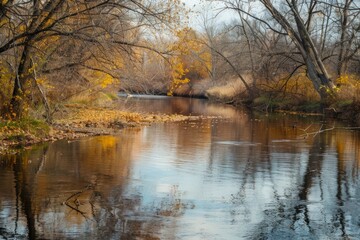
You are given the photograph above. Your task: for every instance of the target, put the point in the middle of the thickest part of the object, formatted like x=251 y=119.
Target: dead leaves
x=80 y=121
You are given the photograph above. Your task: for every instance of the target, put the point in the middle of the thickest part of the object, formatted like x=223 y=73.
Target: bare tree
x=348 y=13
x=293 y=20
x=85 y=33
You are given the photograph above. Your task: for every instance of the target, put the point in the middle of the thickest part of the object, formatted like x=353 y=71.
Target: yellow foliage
x=6 y=84
x=349 y=80
x=3 y=21
x=297 y=87
x=177 y=72
x=106 y=80
x=5 y=73
x=349 y=87
x=192 y=59
x=44 y=82
x=102 y=79
x=22 y=28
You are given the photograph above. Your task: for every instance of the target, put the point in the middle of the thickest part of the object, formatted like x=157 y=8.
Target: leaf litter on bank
x=77 y=121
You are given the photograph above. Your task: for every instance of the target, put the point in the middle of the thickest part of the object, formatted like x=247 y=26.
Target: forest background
x=292 y=55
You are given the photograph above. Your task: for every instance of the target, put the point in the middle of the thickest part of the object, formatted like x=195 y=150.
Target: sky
x=201 y=8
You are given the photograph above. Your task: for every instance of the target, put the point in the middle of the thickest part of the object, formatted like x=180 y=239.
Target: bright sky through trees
x=201 y=8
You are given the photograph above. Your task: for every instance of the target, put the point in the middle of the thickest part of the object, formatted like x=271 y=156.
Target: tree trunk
x=322 y=84
x=316 y=70
x=19 y=100
x=344 y=39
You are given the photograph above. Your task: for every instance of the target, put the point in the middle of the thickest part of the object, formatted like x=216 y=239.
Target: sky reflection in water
x=243 y=177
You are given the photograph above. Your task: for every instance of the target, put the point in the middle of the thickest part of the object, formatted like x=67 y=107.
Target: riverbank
x=295 y=95
x=345 y=108
x=74 y=121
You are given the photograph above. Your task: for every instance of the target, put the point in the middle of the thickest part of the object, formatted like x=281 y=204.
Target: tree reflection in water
x=243 y=177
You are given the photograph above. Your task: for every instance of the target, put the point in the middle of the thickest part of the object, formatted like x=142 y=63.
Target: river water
x=238 y=175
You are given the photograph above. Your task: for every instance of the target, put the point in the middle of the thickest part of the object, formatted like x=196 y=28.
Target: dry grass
x=227 y=92
x=299 y=88
x=94 y=98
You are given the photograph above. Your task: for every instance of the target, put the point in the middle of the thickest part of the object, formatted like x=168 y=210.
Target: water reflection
x=242 y=177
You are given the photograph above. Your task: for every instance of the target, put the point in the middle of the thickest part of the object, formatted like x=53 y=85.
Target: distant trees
x=84 y=45
x=184 y=59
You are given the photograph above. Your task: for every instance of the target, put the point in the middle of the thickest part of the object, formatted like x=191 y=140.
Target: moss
x=16 y=130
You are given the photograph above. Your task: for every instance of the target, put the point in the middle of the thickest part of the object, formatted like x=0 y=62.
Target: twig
x=317 y=132
x=76 y=194
x=77 y=210
x=305 y=130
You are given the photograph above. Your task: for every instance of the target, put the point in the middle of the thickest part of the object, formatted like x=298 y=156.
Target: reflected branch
x=22 y=184
x=307 y=134
x=68 y=202
x=313 y=170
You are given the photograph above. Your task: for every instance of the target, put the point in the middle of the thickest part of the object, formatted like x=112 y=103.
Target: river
x=236 y=175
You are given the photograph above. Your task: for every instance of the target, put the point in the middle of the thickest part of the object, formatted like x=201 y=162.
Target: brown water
x=242 y=176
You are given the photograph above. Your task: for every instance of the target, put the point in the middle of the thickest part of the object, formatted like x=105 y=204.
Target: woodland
x=294 y=55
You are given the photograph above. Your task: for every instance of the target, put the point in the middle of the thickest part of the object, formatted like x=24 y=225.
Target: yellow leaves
x=348 y=79
x=191 y=59
x=97 y=77
x=348 y=82
x=348 y=86
x=44 y=82
x=106 y=80
x=3 y=21
x=187 y=42
x=5 y=73
x=81 y=116
x=6 y=77
x=22 y=28
x=178 y=72
x=49 y=22
x=103 y=79
x=178 y=68
x=32 y=69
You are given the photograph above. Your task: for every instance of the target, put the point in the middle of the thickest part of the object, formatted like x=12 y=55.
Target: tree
x=190 y=60
x=295 y=19
x=95 y=28
x=348 y=15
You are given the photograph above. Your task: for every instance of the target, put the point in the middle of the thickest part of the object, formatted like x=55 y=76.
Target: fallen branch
x=307 y=134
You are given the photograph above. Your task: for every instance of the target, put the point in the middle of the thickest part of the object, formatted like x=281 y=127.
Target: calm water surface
x=240 y=176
